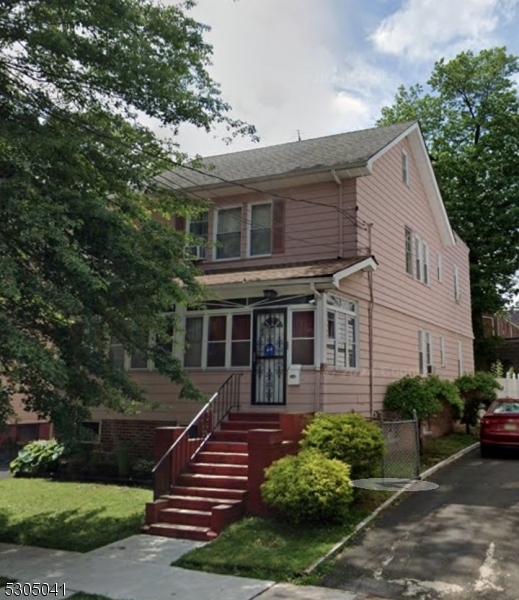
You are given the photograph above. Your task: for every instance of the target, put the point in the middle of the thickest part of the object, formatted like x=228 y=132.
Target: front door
x=269 y=356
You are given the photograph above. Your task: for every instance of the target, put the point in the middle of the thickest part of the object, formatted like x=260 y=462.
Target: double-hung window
x=228 y=233
x=442 y=350
x=405 y=168
x=260 y=229
x=341 y=333
x=457 y=291
x=217 y=340
x=425 y=352
x=303 y=337
x=417 y=262
x=199 y=228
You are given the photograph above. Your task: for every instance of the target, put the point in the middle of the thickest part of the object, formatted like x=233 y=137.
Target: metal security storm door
x=269 y=357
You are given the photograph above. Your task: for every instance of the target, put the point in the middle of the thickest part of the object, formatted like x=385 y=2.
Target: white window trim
x=419 y=249
x=460 y=359
x=337 y=309
x=229 y=313
x=290 y=332
x=439 y=267
x=96 y=441
x=424 y=340
x=215 y=232
x=405 y=168
x=442 y=350
x=249 y=228
x=457 y=291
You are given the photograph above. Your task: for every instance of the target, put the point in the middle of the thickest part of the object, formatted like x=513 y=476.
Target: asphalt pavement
x=458 y=542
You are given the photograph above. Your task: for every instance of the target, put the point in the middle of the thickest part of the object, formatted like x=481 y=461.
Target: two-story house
x=332 y=270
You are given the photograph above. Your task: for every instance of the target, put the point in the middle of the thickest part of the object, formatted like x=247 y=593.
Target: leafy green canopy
x=86 y=253
x=470 y=120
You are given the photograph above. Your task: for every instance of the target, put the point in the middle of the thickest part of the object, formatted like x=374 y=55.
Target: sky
x=320 y=67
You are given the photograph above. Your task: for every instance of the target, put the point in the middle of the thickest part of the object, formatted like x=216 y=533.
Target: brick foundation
x=138 y=437
x=440 y=424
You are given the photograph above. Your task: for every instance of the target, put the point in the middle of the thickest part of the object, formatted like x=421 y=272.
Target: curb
x=363 y=524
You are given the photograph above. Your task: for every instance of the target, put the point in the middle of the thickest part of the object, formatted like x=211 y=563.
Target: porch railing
x=195 y=435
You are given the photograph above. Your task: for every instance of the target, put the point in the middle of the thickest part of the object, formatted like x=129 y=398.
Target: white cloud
x=278 y=64
x=429 y=29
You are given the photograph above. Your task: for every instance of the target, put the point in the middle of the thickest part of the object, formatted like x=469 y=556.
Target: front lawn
x=267 y=549
x=68 y=516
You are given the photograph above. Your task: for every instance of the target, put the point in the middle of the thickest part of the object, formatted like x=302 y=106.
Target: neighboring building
x=336 y=272
x=506 y=326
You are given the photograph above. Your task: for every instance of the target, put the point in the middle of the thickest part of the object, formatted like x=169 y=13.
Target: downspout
x=340 y=252
x=370 y=325
x=318 y=372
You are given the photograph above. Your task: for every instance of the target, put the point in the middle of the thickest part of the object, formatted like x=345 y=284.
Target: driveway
x=460 y=541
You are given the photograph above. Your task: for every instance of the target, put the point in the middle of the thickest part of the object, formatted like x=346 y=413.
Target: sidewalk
x=138 y=568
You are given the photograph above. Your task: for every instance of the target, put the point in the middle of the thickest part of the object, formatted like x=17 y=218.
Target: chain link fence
x=402 y=456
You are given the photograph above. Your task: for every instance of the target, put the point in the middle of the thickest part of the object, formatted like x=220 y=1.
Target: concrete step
x=246 y=425
x=231 y=447
x=198 y=502
x=189 y=532
x=207 y=492
x=186 y=516
x=229 y=436
x=213 y=481
x=259 y=416
x=218 y=469
x=231 y=458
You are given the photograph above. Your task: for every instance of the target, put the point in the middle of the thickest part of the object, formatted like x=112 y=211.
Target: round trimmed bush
x=348 y=438
x=308 y=487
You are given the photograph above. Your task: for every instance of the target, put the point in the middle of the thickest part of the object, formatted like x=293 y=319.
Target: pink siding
x=390 y=205
x=311 y=230
x=303 y=398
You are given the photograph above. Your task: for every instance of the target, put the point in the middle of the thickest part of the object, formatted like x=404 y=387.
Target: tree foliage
x=470 y=119
x=87 y=253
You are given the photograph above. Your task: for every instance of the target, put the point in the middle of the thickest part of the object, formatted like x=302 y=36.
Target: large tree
x=470 y=119
x=86 y=252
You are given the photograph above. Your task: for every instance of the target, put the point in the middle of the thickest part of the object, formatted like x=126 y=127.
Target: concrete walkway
x=138 y=568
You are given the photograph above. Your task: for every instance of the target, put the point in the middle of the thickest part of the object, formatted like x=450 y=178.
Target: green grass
x=268 y=549
x=68 y=516
x=437 y=450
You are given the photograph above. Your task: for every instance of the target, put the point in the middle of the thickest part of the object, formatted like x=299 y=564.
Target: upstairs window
x=408 y=251
x=417 y=263
x=260 y=230
x=199 y=228
x=439 y=267
x=457 y=291
x=405 y=168
x=228 y=233
x=442 y=350
x=460 y=359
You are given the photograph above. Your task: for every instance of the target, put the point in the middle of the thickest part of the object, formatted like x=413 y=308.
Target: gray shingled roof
x=344 y=150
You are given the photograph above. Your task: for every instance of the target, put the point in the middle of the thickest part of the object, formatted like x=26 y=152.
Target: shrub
x=308 y=487
x=348 y=438
x=409 y=394
x=476 y=389
x=445 y=391
x=37 y=458
x=141 y=469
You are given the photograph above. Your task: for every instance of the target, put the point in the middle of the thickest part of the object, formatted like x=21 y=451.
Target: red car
x=499 y=426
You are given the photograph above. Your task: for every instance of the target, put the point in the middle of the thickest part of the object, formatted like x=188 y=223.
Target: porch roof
x=331 y=271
